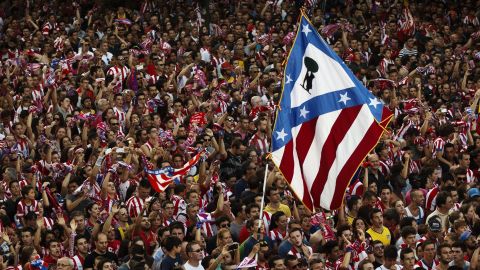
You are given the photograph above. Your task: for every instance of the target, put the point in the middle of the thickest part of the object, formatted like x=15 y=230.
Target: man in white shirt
x=195 y=256
x=390 y=259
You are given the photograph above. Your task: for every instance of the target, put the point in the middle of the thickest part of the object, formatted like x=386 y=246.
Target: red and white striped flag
x=247 y=263
x=160 y=179
x=327 y=123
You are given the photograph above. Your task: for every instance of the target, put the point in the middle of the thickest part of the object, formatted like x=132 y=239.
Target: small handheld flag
x=327 y=123
x=162 y=178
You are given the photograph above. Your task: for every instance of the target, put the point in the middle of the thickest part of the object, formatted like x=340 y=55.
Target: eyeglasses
x=114 y=124
x=198 y=250
x=230 y=119
x=225 y=225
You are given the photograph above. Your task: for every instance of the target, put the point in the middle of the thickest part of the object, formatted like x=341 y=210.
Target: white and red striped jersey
x=471 y=176
x=471 y=19
x=37 y=96
x=266 y=221
x=78 y=262
x=430 y=203
x=95 y=190
x=108 y=202
x=153 y=79
x=18 y=267
x=23 y=208
x=148 y=145
x=48 y=223
x=119 y=73
x=383 y=67
x=414 y=166
x=167 y=222
x=260 y=144
x=379 y=205
x=135 y=205
x=421 y=264
x=179 y=204
x=207 y=223
x=438 y=146
x=8 y=193
x=218 y=61
x=385 y=167
x=22 y=147
x=298 y=253
x=121 y=115
x=222 y=107
x=24 y=182
x=48 y=27
x=277 y=235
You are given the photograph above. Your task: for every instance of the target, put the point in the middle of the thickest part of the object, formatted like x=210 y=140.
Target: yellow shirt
x=283 y=208
x=350 y=219
x=385 y=237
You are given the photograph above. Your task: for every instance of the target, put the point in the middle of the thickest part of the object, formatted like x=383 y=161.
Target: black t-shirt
x=169 y=263
x=90 y=259
x=376 y=264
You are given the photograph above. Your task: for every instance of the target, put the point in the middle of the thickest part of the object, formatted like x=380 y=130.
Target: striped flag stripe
x=324 y=125
x=304 y=141
x=363 y=147
x=339 y=130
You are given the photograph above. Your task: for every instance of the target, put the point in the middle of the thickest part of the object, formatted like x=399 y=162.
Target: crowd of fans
x=94 y=92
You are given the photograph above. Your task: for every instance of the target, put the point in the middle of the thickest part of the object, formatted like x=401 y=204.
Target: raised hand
x=73 y=225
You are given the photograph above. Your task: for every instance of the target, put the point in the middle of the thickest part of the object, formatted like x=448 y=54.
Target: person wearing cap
x=470 y=242
x=434 y=232
x=473 y=193
x=444 y=203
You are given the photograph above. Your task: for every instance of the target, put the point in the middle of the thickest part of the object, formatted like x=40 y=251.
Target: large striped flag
x=327 y=122
x=161 y=178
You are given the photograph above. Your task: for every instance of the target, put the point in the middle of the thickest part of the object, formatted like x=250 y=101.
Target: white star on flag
x=289 y=80
x=374 y=102
x=344 y=98
x=281 y=135
x=306 y=29
x=303 y=112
